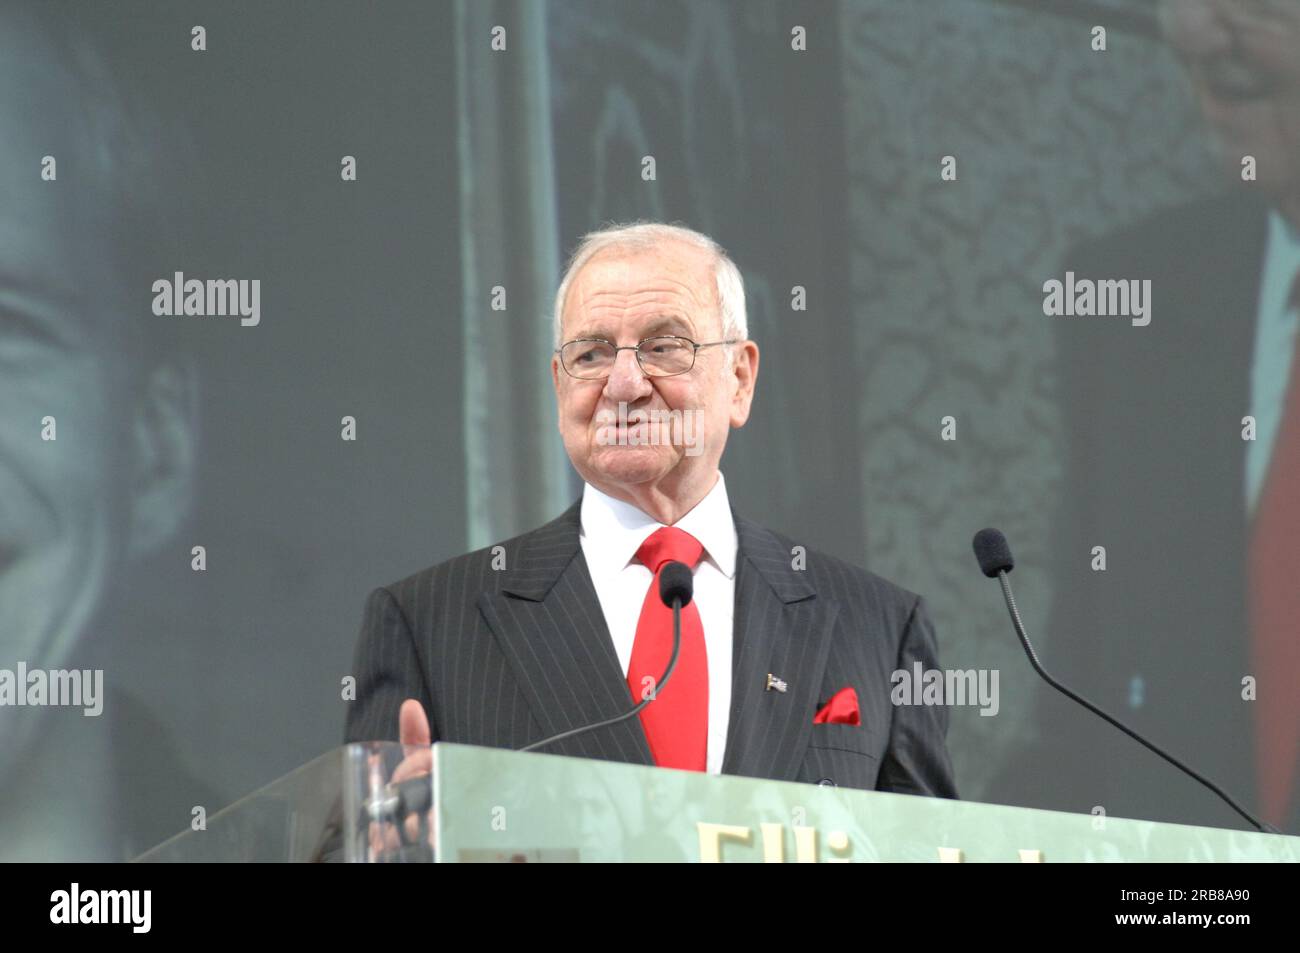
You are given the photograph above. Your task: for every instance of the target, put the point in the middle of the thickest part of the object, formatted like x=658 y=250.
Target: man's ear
x=745 y=369
x=165 y=436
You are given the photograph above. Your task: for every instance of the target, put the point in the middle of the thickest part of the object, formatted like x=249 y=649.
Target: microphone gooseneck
x=995 y=560
x=676 y=589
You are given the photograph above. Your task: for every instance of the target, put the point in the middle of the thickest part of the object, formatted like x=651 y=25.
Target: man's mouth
x=1231 y=80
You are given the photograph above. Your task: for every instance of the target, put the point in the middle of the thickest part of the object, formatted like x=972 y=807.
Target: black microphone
x=994 y=555
x=676 y=583
x=676 y=588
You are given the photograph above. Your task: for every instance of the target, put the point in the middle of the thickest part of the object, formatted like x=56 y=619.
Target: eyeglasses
x=591 y=359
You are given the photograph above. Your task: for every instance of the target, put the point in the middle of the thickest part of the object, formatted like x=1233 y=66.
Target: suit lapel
x=783 y=628
x=548 y=621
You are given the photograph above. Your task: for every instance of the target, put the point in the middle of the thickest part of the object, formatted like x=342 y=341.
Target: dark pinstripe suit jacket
x=507 y=657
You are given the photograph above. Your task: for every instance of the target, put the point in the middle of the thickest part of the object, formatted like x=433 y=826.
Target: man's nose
x=626 y=379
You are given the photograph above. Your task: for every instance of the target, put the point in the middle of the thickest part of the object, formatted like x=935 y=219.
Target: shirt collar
x=618 y=529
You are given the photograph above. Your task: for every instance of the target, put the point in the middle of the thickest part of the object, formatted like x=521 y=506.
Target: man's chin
x=631 y=466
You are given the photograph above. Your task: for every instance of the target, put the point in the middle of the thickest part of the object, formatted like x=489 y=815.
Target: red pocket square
x=842 y=709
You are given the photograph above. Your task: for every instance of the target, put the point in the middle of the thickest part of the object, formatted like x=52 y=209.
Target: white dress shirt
x=612 y=532
x=1270 y=369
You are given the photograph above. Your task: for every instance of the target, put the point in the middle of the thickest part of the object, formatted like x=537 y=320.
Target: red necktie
x=1275 y=610
x=676 y=723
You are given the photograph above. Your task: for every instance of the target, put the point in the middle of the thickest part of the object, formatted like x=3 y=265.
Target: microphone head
x=676 y=582
x=993 y=552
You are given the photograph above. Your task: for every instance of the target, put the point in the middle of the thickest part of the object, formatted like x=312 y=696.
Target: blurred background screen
x=183 y=507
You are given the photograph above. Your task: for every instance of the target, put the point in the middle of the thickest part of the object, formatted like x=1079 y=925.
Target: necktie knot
x=669 y=544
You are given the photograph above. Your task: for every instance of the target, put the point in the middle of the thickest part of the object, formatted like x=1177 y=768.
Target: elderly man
x=786 y=654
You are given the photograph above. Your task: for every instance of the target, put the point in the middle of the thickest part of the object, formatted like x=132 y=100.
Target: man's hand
x=413 y=731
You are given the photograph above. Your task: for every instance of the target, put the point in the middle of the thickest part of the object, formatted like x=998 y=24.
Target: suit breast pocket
x=846 y=737
x=841 y=755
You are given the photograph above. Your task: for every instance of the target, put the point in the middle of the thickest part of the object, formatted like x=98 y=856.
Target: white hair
x=641 y=235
